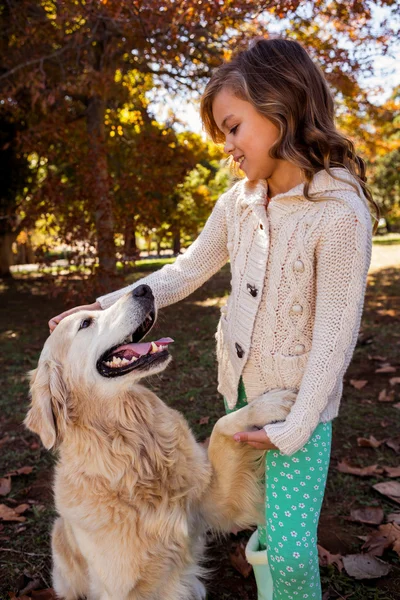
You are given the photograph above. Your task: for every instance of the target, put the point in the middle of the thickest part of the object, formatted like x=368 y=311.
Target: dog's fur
x=134 y=491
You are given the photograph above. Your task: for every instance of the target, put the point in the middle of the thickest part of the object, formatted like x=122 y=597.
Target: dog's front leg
x=272 y=406
x=235 y=496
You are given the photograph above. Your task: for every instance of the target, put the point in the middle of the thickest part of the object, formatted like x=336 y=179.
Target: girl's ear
x=47 y=415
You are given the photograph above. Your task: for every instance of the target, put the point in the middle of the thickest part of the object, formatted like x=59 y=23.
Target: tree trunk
x=6 y=255
x=100 y=187
x=177 y=242
x=130 y=246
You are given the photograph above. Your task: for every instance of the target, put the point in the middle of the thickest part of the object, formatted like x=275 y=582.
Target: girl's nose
x=228 y=147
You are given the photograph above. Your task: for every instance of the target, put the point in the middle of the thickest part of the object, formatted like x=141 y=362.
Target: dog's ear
x=48 y=414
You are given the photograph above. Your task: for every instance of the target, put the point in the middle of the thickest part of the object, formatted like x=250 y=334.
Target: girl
x=297 y=232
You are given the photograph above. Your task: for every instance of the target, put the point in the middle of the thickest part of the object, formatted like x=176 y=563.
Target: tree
x=64 y=57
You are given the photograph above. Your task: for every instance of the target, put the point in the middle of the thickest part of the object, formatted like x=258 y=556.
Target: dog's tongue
x=129 y=350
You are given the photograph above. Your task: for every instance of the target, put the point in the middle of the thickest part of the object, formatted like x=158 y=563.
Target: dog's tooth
x=154 y=347
x=124 y=362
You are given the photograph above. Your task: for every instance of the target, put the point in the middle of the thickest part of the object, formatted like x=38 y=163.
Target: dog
x=134 y=491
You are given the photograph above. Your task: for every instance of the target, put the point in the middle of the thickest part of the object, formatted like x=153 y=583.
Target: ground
x=189 y=384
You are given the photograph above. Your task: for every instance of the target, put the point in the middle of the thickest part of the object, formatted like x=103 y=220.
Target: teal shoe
x=259 y=561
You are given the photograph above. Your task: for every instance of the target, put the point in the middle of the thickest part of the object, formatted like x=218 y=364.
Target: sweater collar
x=255 y=192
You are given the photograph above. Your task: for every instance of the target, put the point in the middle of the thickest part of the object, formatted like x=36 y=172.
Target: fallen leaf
x=391 y=489
x=394 y=444
x=326 y=558
x=397 y=405
x=393 y=517
x=238 y=559
x=364 y=566
x=370 y=442
x=369 y=471
x=20 y=471
x=385 y=423
x=377 y=357
x=386 y=397
x=5 y=486
x=372 y=515
x=13 y=514
x=392 y=471
x=386 y=536
x=394 y=380
x=358 y=383
x=386 y=369
x=204 y=420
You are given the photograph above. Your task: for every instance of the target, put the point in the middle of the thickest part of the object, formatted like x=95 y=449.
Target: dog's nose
x=143 y=291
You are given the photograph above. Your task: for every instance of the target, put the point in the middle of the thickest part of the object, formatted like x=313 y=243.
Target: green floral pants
x=294 y=491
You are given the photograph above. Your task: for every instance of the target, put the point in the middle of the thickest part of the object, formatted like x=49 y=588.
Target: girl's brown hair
x=282 y=82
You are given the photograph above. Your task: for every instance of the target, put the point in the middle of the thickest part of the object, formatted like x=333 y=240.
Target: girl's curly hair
x=283 y=84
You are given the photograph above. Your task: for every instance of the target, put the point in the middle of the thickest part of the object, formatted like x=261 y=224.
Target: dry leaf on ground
x=393 y=518
x=364 y=566
x=392 y=471
x=204 y=420
x=372 y=515
x=394 y=443
x=370 y=442
x=386 y=369
x=386 y=536
x=13 y=514
x=391 y=489
x=397 y=405
x=238 y=559
x=344 y=467
x=5 y=486
x=326 y=558
x=5 y=440
x=384 y=396
x=359 y=384
x=20 y=471
x=378 y=358
x=394 y=380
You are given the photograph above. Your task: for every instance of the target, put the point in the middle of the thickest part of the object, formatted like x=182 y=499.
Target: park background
x=105 y=175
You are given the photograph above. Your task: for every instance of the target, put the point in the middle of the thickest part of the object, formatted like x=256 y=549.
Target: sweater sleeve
x=206 y=256
x=343 y=256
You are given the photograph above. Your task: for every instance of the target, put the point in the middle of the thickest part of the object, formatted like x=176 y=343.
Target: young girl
x=297 y=232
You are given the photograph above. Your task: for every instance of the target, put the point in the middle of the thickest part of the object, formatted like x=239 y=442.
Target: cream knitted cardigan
x=299 y=272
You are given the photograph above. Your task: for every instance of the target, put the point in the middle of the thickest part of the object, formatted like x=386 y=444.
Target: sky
x=386 y=76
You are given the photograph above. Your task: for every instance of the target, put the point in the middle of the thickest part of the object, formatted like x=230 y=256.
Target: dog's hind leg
x=69 y=566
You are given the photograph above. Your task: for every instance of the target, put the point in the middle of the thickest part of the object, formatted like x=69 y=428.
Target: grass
x=189 y=384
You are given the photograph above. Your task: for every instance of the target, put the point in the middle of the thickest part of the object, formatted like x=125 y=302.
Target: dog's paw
x=270 y=407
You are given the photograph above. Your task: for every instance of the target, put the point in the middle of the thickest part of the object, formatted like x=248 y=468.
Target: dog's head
x=93 y=355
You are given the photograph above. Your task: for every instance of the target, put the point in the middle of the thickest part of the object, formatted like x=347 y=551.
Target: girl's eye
x=85 y=323
x=233 y=130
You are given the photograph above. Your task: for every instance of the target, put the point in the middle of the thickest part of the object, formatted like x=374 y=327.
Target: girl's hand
x=256 y=439
x=55 y=320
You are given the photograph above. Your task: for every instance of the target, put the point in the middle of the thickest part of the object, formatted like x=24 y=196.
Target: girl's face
x=248 y=135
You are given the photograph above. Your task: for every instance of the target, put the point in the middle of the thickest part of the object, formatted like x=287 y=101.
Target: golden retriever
x=134 y=490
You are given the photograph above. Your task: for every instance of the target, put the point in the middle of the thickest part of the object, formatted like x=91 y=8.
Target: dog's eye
x=85 y=323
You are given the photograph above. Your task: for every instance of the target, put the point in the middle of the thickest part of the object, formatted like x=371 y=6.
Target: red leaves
x=5 y=482
x=13 y=514
x=359 y=384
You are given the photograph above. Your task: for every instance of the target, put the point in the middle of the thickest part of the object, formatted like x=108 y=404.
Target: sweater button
x=298 y=266
x=239 y=350
x=299 y=348
x=252 y=289
x=297 y=309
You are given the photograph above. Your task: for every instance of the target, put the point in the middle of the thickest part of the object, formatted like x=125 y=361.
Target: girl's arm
x=190 y=270
x=343 y=258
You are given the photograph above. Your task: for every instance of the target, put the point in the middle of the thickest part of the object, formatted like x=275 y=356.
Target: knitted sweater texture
x=299 y=271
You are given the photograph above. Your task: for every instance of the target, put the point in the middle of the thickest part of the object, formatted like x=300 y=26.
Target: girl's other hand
x=256 y=439
x=55 y=320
